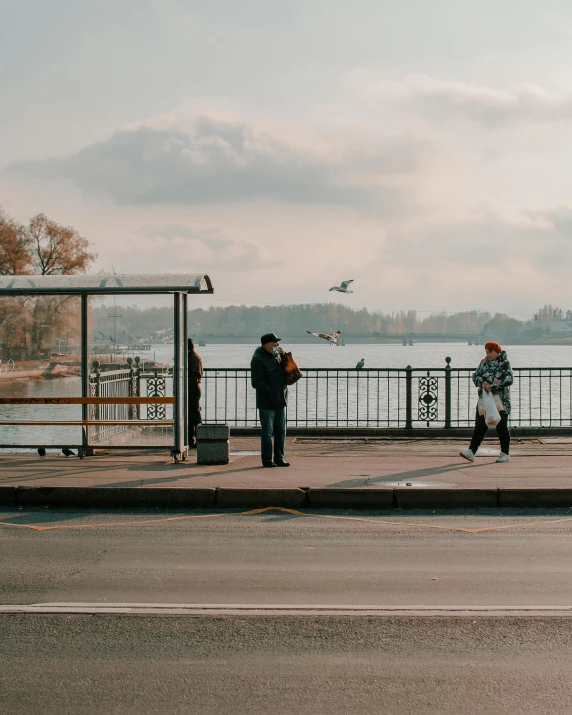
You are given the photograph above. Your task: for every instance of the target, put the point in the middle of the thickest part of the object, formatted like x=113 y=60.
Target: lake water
x=308 y=356
x=383 y=356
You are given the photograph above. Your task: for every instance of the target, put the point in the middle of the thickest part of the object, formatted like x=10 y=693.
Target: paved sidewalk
x=323 y=473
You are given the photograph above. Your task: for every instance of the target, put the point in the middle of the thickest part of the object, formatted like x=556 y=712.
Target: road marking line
x=295 y=512
x=118 y=523
x=261 y=510
x=448 y=528
x=403 y=523
x=218 y=610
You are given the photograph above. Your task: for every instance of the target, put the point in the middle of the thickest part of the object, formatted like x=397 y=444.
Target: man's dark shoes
x=269 y=464
x=282 y=464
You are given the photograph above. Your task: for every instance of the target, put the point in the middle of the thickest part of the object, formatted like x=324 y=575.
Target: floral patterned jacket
x=498 y=374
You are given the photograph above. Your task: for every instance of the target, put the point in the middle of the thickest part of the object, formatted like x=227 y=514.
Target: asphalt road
x=68 y=663
x=81 y=665
x=274 y=557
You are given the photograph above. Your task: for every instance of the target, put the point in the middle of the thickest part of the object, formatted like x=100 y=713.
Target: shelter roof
x=106 y=284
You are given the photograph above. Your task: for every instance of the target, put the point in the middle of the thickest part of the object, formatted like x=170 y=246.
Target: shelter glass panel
x=41 y=357
x=131 y=355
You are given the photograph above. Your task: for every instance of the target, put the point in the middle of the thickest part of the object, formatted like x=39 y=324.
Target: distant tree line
x=154 y=323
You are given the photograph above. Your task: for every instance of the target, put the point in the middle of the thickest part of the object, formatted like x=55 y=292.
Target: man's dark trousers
x=272 y=423
x=194 y=414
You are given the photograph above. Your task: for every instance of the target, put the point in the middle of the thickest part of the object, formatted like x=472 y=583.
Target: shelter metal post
x=185 y=397
x=86 y=449
x=180 y=368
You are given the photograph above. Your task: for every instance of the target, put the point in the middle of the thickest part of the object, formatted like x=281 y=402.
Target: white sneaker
x=504 y=457
x=468 y=454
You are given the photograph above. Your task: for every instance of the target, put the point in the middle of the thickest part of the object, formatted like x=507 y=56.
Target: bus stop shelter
x=85 y=286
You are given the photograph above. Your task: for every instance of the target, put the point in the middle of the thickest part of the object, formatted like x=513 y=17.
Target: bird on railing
x=42 y=451
x=343 y=287
x=360 y=364
x=67 y=452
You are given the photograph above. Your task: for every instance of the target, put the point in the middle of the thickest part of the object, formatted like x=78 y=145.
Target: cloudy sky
x=420 y=147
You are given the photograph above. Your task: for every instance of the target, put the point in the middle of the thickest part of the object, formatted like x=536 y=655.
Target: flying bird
x=332 y=338
x=67 y=452
x=343 y=287
x=42 y=451
x=360 y=364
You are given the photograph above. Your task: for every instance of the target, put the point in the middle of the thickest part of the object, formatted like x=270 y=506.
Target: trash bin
x=213 y=444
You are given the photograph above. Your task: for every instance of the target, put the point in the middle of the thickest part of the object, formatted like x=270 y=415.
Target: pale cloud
x=491 y=257
x=212 y=238
x=524 y=102
x=206 y=160
x=559 y=218
x=207 y=245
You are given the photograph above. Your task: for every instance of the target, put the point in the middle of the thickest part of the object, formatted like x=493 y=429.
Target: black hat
x=269 y=338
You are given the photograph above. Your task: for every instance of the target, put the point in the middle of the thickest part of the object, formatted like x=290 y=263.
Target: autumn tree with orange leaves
x=14 y=247
x=42 y=247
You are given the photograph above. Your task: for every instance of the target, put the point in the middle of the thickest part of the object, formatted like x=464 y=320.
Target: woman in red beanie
x=493 y=375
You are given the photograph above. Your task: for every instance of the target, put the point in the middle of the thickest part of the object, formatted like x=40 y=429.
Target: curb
x=351 y=498
x=116 y=497
x=231 y=498
x=458 y=498
x=530 y=498
x=288 y=498
x=8 y=496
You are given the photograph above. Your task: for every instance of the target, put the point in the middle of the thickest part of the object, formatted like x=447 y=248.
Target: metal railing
x=130 y=382
x=399 y=398
x=116 y=383
x=404 y=398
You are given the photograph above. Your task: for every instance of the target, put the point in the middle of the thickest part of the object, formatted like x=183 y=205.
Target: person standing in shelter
x=269 y=380
x=493 y=375
x=195 y=377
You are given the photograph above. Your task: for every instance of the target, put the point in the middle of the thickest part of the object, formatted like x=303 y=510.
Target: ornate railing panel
x=428 y=410
x=156 y=384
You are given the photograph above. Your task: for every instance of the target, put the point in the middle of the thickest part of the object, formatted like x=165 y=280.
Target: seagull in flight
x=343 y=287
x=332 y=338
x=360 y=364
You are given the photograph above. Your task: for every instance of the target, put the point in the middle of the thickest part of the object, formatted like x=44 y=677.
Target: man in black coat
x=269 y=380
x=195 y=365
